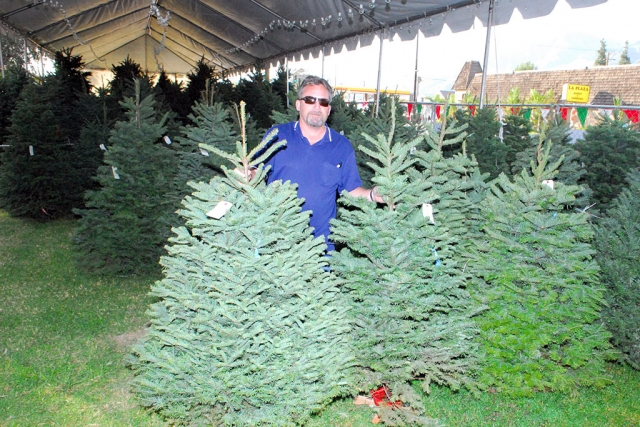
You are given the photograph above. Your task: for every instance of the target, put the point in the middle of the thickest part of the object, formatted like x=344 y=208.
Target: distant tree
x=526 y=66
x=602 y=54
x=197 y=81
x=624 y=56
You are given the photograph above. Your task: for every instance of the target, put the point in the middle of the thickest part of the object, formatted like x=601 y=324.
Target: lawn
x=65 y=334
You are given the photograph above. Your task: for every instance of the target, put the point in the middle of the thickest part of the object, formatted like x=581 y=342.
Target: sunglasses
x=324 y=102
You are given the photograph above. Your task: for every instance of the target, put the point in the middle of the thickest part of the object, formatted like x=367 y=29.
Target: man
x=318 y=159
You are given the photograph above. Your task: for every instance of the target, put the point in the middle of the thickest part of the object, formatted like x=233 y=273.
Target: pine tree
x=602 y=58
x=618 y=252
x=249 y=329
x=624 y=56
x=127 y=221
x=483 y=141
x=175 y=97
x=516 y=137
x=570 y=171
x=261 y=101
x=212 y=125
x=412 y=314
x=383 y=124
x=543 y=328
x=197 y=81
x=609 y=151
x=10 y=87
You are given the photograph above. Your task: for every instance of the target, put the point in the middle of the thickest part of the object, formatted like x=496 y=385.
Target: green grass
x=64 y=335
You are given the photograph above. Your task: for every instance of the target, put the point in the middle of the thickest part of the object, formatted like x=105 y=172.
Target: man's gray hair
x=313 y=81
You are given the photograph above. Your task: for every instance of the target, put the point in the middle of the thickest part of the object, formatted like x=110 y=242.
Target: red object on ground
x=382 y=395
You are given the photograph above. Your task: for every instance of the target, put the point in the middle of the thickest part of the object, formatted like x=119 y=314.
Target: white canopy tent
x=235 y=35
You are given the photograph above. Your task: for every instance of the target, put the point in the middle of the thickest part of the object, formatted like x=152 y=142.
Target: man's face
x=313 y=115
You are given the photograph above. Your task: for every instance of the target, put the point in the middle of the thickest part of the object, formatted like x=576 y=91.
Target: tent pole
x=379 y=73
x=286 y=66
x=486 y=53
x=1 y=59
x=322 y=75
x=415 y=77
x=26 y=61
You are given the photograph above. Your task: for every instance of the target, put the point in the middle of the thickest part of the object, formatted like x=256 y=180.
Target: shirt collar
x=295 y=127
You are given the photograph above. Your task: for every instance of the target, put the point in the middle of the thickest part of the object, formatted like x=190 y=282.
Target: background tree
x=260 y=100
x=10 y=87
x=483 y=141
x=175 y=97
x=525 y=66
x=197 y=81
x=127 y=221
x=248 y=329
x=609 y=151
x=602 y=58
x=618 y=252
x=47 y=168
x=624 y=55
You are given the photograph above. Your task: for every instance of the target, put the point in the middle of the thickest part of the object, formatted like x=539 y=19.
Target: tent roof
x=234 y=35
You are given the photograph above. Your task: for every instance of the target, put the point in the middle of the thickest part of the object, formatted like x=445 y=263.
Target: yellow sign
x=575 y=93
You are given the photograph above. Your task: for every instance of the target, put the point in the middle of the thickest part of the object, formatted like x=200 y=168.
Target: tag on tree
x=31 y=150
x=102 y=147
x=220 y=209
x=167 y=139
x=115 y=174
x=548 y=182
x=204 y=152
x=427 y=212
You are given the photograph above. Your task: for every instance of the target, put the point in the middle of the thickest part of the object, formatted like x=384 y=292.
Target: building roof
x=606 y=83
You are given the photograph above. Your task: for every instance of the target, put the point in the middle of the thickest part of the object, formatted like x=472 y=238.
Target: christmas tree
x=249 y=329
x=618 y=252
x=543 y=329
x=127 y=221
x=570 y=171
x=609 y=151
x=408 y=298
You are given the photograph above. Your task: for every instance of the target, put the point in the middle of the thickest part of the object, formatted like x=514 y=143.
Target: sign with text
x=575 y=93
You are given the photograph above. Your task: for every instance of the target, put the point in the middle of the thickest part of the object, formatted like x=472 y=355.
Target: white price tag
x=31 y=150
x=167 y=139
x=548 y=182
x=427 y=212
x=220 y=209
x=204 y=152
x=115 y=174
x=102 y=147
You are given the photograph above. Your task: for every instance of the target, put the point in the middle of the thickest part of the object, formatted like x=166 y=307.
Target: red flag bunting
x=633 y=115
x=515 y=110
x=438 y=108
x=409 y=108
x=472 y=108
x=565 y=113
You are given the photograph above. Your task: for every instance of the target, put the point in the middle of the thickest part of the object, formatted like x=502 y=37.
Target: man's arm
x=367 y=193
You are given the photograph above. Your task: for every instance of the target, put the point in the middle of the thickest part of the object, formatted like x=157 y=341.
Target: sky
x=565 y=39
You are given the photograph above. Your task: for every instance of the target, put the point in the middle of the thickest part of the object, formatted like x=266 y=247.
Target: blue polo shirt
x=322 y=171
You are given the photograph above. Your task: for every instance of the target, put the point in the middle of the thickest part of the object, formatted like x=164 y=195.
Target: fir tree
x=261 y=101
x=412 y=314
x=383 y=124
x=516 y=137
x=609 y=151
x=10 y=87
x=249 y=329
x=197 y=81
x=127 y=221
x=483 y=141
x=344 y=117
x=618 y=252
x=543 y=328
x=570 y=171
x=172 y=92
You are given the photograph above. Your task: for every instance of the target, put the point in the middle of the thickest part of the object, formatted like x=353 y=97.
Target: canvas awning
x=234 y=35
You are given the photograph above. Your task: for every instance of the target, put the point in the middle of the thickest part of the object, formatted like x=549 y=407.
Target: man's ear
x=297 y=104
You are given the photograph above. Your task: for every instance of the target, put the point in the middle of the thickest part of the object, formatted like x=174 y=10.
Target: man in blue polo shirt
x=318 y=159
